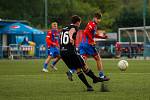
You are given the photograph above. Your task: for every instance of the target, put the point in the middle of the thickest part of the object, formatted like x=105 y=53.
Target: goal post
x=134 y=34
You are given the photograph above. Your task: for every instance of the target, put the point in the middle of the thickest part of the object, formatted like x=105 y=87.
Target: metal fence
x=4 y=51
x=42 y=51
x=15 y=51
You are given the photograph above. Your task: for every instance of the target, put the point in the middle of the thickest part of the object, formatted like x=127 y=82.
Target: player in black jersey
x=71 y=57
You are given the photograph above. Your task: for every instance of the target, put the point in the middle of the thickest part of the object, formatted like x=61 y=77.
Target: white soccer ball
x=123 y=65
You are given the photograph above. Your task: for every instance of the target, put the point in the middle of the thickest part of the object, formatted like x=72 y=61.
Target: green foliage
x=128 y=17
x=62 y=10
x=116 y=13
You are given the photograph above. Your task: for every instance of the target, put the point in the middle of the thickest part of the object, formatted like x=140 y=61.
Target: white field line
x=119 y=59
x=60 y=74
x=132 y=73
x=21 y=75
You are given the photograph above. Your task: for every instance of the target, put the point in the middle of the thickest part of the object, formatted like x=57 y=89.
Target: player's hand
x=54 y=44
x=72 y=41
x=105 y=36
x=57 y=45
x=93 y=43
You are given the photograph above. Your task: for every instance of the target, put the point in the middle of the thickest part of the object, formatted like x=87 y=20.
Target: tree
x=116 y=13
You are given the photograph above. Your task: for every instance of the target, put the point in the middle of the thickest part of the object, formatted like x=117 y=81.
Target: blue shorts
x=86 y=49
x=53 y=52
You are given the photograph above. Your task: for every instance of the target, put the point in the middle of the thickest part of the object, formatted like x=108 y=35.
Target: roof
x=19 y=28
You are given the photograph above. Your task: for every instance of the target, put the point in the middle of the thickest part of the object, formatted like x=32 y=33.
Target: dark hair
x=98 y=15
x=75 y=18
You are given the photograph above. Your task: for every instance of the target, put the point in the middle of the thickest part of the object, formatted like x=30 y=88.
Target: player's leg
x=70 y=74
x=65 y=58
x=100 y=67
x=83 y=50
x=83 y=79
x=91 y=74
x=91 y=50
x=99 y=64
x=71 y=71
x=55 y=54
x=54 y=62
x=50 y=56
x=70 y=61
x=79 y=63
x=46 y=64
x=86 y=70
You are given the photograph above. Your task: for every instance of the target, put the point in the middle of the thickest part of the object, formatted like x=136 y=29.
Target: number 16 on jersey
x=64 y=37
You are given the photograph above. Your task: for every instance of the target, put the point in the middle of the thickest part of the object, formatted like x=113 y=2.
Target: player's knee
x=86 y=70
x=79 y=72
x=49 y=57
x=97 y=57
x=58 y=56
x=84 y=57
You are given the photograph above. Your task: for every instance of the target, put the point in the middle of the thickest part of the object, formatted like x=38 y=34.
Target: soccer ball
x=123 y=65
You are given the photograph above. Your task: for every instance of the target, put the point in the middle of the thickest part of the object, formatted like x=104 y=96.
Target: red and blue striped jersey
x=52 y=38
x=89 y=33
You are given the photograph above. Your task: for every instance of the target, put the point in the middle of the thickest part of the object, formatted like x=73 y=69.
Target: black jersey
x=65 y=44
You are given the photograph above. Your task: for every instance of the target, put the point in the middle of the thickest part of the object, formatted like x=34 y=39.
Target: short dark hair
x=75 y=18
x=98 y=15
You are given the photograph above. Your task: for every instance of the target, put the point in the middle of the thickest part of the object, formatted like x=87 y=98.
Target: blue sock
x=45 y=65
x=54 y=63
x=101 y=74
x=72 y=71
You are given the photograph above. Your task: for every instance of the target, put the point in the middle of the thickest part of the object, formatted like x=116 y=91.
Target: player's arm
x=89 y=29
x=101 y=36
x=89 y=35
x=49 y=39
x=71 y=32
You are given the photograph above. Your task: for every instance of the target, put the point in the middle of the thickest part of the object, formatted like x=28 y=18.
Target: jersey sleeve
x=99 y=36
x=90 y=27
x=49 y=39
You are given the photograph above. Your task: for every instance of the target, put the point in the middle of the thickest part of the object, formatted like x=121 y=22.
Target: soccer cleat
x=54 y=68
x=44 y=70
x=90 y=89
x=98 y=79
x=69 y=75
x=106 y=78
x=101 y=79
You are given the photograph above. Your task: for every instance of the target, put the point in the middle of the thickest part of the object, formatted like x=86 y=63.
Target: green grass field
x=23 y=80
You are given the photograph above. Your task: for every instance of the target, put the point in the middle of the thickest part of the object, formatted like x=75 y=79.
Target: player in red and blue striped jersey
x=87 y=46
x=52 y=41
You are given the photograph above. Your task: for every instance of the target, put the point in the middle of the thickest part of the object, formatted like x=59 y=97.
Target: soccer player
x=52 y=41
x=70 y=56
x=87 y=46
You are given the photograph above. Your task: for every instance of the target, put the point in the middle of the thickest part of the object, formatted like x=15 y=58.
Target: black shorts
x=73 y=60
